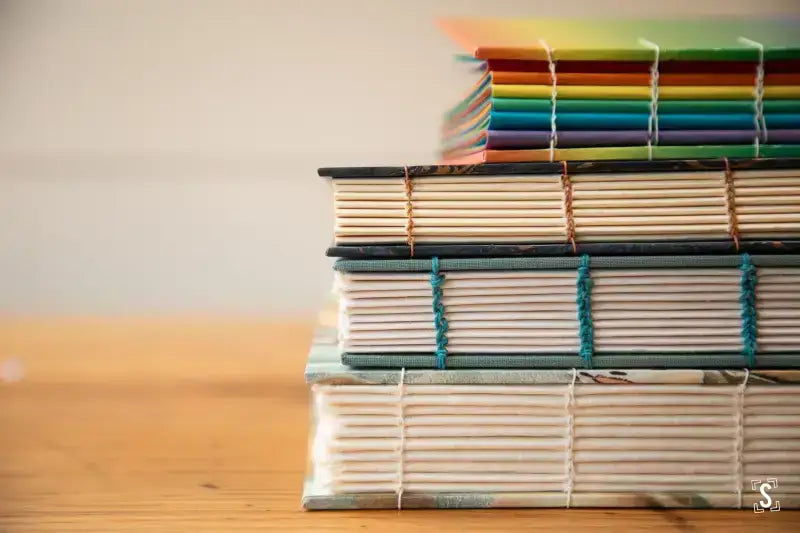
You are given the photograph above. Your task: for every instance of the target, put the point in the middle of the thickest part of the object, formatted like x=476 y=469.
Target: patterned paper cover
x=548 y=168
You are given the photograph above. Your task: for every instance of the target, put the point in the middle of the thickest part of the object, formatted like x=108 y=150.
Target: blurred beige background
x=159 y=157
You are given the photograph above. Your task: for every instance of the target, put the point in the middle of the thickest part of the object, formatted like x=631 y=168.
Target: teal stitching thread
x=439 y=321
x=747 y=297
x=584 y=301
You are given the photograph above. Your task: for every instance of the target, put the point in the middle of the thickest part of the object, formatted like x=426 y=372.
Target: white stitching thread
x=740 y=437
x=652 y=122
x=553 y=98
x=401 y=392
x=569 y=463
x=758 y=97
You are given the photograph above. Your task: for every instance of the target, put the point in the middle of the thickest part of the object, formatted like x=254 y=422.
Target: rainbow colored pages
x=554 y=90
x=384 y=439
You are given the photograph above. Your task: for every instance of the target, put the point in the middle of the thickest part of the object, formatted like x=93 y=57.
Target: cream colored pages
x=603 y=207
x=563 y=439
x=653 y=310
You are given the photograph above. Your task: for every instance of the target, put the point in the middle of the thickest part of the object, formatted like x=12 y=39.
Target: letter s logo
x=768 y=503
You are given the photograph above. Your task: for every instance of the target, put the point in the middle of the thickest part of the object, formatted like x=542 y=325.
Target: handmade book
x=606 y=208
x=548 y=438
x=564 y=312
x=638 y=89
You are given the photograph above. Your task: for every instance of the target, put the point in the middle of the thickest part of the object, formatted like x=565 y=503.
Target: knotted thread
x=730 y=204
x=439 y=321
x=584 y=302
x=409 y=188
x=758 y=98
x=401 y=448
x=747 y=298
x=739 y=444
x=652 y=122
x=569 y=467
x=553 y=98
x=569 y=217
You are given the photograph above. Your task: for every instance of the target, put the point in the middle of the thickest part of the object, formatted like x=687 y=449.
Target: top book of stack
x=558 y=90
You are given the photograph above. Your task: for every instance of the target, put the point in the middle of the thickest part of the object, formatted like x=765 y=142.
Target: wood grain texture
x=201 y=425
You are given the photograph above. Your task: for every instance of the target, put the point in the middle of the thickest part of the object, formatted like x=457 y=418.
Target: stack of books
x=614 y=333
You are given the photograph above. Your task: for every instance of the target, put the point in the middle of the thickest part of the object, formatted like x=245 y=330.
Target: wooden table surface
x=201 y=425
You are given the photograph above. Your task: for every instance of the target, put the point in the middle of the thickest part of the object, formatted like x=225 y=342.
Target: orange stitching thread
x=730 y=204
x=566 y=185
x=409 y=186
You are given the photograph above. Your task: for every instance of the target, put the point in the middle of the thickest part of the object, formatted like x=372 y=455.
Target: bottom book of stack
x=384 y=438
